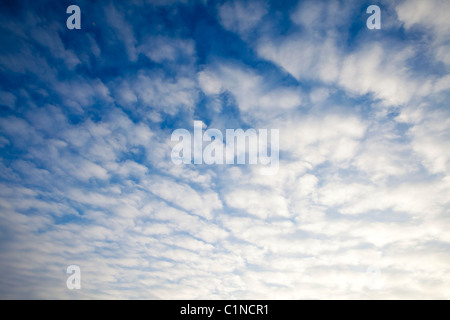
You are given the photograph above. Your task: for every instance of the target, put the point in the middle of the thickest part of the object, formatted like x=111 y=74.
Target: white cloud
x=256 y=96
x=433 y=16
x=123 y=30
x=48 y=36
x=156 y=92
x=433 y=13
x=209 y=83
x=8 y=99
x=258 y=203
x=241 y=17
x=431 y=140
x=161 y=49
x=80 y=93
x=369 y=70
x=382 y=156
x=185 y=197
x=317 y=139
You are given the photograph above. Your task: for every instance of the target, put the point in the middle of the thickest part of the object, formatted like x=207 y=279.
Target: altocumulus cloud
x=86 y=176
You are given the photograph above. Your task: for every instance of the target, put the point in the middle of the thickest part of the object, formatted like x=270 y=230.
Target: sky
x=359 y=208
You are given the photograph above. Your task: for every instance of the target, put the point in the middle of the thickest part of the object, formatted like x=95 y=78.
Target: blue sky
x=359 y=208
